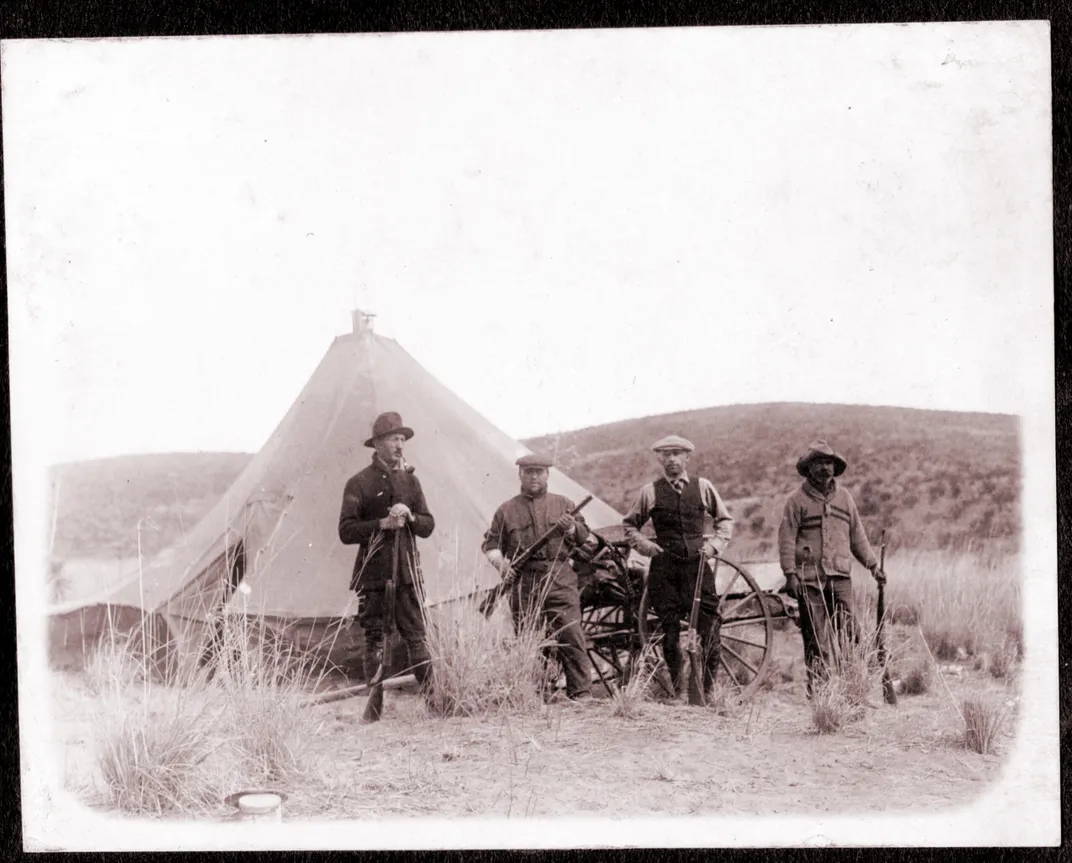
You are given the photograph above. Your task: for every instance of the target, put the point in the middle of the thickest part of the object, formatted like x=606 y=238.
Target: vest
x=678 y=519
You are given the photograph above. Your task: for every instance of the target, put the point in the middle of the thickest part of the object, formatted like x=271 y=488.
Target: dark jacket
x=829 y=525
x=520 y=521
x=368 y=497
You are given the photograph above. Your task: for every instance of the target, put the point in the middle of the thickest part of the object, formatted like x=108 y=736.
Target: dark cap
x=534 y=460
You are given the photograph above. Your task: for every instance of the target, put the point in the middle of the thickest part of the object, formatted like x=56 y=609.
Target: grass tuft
x=840 y=696
x=628 y=699
x=481 y=666
x=917 y=678
x=983 y=722
x=181 y=749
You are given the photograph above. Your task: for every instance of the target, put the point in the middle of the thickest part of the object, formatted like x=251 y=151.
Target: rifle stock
x=488 y=605
x=693 y=644
x=888 y=692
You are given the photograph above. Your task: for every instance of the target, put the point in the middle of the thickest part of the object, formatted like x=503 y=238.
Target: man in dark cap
x=820 y=533
x=381 y=501
x=676 y=504
x=546 y=584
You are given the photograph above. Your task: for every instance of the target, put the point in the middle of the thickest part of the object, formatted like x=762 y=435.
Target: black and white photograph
x=534 y=439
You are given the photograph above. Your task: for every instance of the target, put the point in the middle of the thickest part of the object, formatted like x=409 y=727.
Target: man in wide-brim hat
x=676 y=505
x=819 y=535
x=546 y=585
x=384 y=498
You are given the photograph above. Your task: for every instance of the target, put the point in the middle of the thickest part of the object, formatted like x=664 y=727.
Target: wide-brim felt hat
x=387 y=423
x=821 y=449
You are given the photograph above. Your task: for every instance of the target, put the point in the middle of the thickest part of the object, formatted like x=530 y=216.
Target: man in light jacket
x=820 y=534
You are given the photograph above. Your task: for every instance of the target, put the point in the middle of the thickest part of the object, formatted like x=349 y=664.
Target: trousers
x=556 y=599
x=409 y=619
x=671 y=584
x=826 y=617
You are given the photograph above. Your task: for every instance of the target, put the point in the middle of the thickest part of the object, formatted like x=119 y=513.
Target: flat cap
x=672 y=442
x=533 y=460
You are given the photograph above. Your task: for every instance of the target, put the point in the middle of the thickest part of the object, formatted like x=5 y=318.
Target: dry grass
x=966 y=603
x=481 y=666
x=984 y=719
x=853 y=675
x=163 y=749
x=628 y=699
x=1001 y=660
x=917 y=677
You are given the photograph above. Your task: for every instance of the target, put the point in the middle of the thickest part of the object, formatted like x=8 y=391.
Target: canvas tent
x=274 y=532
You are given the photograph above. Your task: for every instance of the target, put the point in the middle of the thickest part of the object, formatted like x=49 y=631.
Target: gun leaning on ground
x=693 y=644
x=489 y=603
x=374 y=705
x=888 y=692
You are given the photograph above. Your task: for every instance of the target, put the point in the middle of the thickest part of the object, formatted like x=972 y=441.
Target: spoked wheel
x=747 y=628
x=609 y=603
x=613 y=643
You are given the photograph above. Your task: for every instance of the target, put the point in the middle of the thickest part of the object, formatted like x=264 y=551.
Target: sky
x=566 y=228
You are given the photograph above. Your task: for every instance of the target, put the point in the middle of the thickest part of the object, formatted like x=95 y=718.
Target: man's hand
x=502 y=565
x=645 y=546
x=400 y=509
x=567 y=523
x=506 y=572
x=792 y=585
x=880 y=576
x=392 y=522
x=709 y=551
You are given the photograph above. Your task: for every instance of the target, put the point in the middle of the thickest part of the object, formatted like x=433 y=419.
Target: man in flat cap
x=820 y=533
x=676 y=504
x=546 y=584
x=384 y=499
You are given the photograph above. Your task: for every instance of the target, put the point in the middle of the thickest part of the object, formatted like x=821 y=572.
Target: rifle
x=489 y=603
x=888 y=693
x=374 y=705
x=693 y=645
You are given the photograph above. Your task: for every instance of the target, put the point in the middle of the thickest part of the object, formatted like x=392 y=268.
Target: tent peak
x=362 y=320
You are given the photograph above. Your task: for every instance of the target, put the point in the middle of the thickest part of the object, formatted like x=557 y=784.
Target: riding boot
x=672 y=657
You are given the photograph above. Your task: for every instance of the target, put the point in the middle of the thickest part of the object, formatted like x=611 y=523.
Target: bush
x=917 y=679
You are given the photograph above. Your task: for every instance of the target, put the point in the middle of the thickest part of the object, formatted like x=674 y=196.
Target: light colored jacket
x=830 y=526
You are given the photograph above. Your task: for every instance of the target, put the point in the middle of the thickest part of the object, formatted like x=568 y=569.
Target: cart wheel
x=609 y=604
x=747 y=628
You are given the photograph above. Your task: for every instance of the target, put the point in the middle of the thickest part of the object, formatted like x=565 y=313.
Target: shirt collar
x=681 y=480
x=811 y=490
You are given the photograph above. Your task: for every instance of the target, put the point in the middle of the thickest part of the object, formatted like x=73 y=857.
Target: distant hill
x=936 y=478
x=101 y=501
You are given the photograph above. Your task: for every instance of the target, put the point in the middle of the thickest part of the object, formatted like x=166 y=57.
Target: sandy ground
x=760 y=757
